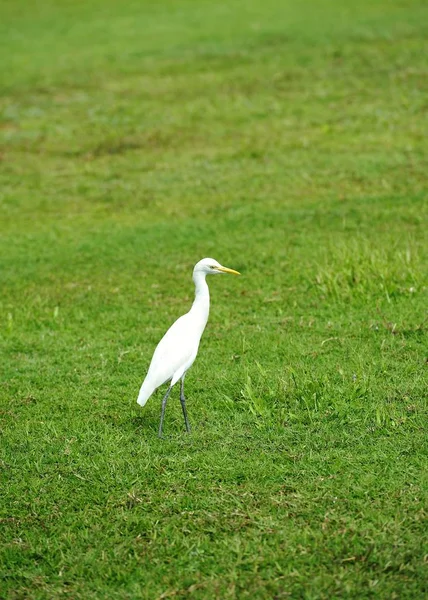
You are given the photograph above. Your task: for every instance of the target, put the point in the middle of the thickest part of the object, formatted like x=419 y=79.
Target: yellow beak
x=226 y=270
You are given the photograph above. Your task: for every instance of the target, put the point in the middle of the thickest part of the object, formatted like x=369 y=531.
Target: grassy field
x=288 y=140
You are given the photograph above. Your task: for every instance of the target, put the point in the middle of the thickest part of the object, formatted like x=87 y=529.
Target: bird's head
x=209 y=266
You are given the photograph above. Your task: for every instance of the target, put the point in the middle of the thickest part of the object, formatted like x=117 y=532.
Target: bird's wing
x=175 y=351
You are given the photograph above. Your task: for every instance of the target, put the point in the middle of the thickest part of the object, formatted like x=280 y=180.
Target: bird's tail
x=145 y=392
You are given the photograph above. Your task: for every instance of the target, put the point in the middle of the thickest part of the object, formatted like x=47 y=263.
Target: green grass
x=288 y=140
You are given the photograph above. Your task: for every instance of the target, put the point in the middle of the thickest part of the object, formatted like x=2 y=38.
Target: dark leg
x=165 y=398
x=183 y=405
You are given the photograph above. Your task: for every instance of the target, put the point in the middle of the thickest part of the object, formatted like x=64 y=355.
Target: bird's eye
x=213 y=267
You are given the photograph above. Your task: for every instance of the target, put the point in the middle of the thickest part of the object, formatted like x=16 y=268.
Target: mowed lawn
x=288 y=140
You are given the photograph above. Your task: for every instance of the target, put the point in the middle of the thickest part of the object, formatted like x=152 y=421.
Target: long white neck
x=201 y=304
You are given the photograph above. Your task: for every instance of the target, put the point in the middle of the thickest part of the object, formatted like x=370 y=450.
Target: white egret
x=178 y=348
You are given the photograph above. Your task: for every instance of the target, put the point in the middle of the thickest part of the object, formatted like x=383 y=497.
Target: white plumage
x=178 y=348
